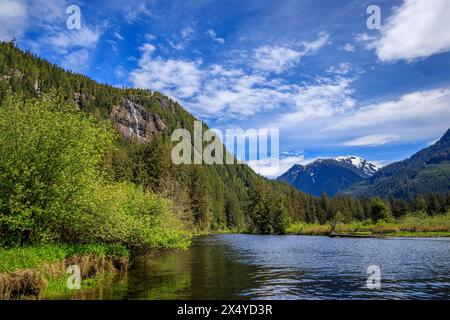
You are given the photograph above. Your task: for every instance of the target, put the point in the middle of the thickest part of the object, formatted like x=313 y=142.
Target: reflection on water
x=288 y=267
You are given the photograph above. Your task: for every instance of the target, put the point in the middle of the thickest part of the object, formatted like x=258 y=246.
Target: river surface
x=289 y=267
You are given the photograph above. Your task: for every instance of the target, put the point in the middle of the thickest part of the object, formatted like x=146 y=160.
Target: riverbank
x=248 y=266
x=408 y=226
x=41 y=271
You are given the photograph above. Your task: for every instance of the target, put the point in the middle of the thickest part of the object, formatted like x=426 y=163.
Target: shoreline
x=43 y=271
x=347 y=235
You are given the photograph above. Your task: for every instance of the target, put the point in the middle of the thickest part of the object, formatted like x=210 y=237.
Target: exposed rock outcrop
x=134 y=122
x=165 y=103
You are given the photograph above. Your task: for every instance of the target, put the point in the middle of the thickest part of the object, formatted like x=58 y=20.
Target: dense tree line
x=203 y=197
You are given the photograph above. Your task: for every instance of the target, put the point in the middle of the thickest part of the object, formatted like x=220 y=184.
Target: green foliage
x=125 y=213
x=308 y=229
x=412 y=224
x=34 y=256
x=49 y=152
x=267 y=212
x=52 y=186
x=379 y=211
x=421 y=222
x=337 y=218
x=199 y=197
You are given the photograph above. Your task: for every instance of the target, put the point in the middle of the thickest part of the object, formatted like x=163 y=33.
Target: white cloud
x=321 y=111
x=279 y=58
x=275 y=59
x=150 y=37
x=46 y=12
x=369 y=42
x=342 y=69
x=321 y=117
x=180 y=42
x=147 y=49
x=315 y=45
x=371 y=140
x=224 y=92
x=416 y=116
x=13 y=19
x=233 y=93
x=364 y=37
x=120 y=72
x=348 y=47
x=176 y=46
x=417 y=29
x=135 y=11
x=187 y=32
x=64 y=40
x=71 y=48
x=324 y=98
x=118 y=36
x=177 y=78
x=214 y=36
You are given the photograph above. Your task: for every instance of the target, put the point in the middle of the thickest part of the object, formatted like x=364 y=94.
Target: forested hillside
x=424 y=173
x=206 y=197
x=122 y=135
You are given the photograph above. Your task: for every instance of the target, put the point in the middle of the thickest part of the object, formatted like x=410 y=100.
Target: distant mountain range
x=427 y=171
x=329 y=175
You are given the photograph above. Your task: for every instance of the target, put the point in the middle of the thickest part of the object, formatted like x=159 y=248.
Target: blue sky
x=310 y=68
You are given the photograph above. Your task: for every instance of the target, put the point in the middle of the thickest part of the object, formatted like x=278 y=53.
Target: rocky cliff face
x=134 y=122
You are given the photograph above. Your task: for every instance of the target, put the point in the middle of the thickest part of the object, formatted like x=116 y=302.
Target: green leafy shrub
x=421 y=222
x=32 y=257
x=379 y=211
x=385 y=228
x=52 y=186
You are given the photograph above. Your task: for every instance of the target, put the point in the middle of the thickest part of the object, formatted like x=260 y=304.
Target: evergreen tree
x=379 y=211
x=324 y=210
x=200 y=201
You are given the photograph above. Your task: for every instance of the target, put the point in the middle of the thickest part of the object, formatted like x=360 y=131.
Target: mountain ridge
x=426 y=171
x=329 y=175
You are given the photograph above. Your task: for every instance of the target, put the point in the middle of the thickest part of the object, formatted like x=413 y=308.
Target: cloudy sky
x=311 y=68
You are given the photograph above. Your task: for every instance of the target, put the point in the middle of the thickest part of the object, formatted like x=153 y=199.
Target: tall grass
x=35 y=270
x=31 y=257
x=308 y=229
x=419 y=224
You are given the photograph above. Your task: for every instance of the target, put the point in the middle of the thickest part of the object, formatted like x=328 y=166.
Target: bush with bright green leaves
x=53 y=187
x=379 y=211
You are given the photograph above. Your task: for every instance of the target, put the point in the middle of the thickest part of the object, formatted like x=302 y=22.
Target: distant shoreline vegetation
x=411 y=225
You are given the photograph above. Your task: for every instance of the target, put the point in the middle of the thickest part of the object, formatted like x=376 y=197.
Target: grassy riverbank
x=41 y=271
x=411 y=225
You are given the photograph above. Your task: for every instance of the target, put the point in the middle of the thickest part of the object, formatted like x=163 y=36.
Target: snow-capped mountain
x=367 y=167
x=329 y=175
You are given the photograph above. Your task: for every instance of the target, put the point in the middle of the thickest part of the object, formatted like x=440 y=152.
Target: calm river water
x=288 y=267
